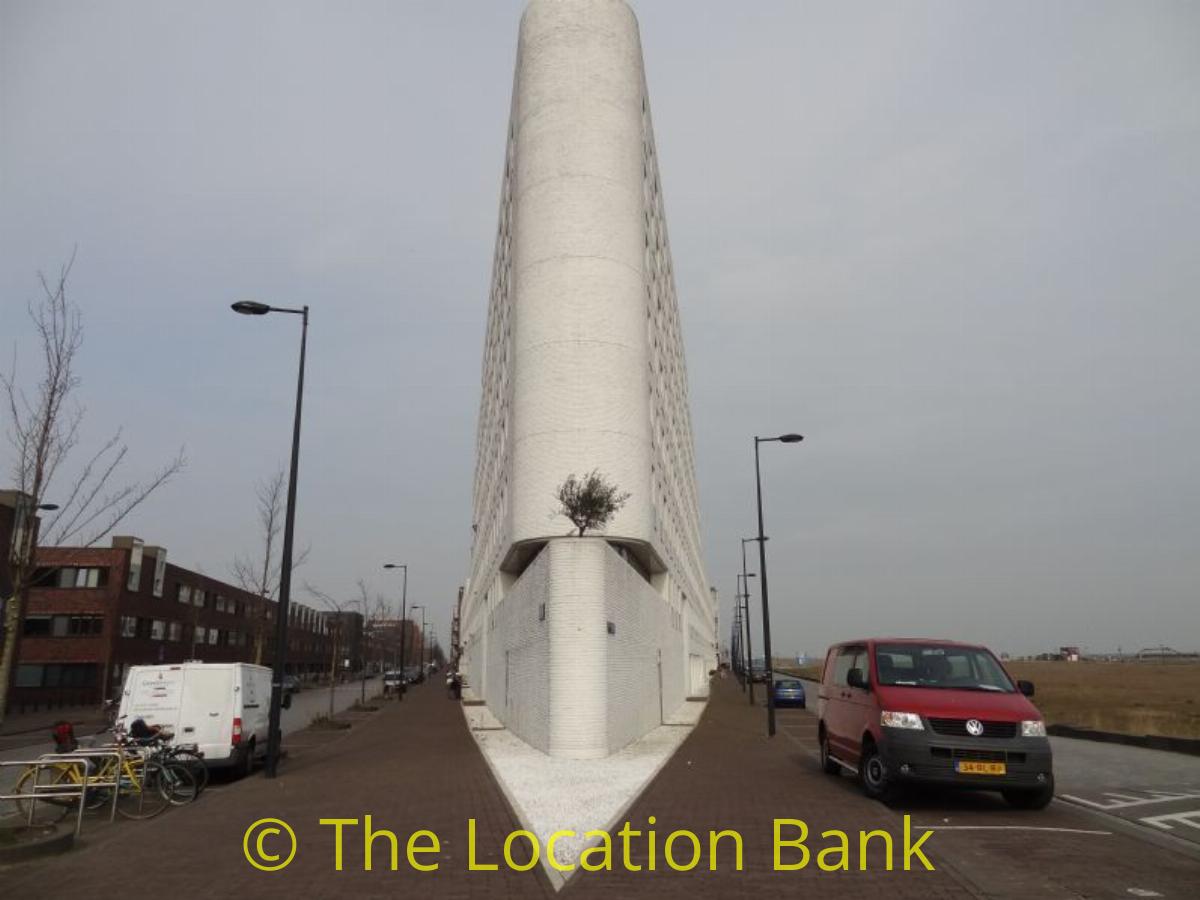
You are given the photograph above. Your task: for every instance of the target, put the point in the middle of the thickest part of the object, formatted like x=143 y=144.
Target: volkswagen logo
x=974 y=727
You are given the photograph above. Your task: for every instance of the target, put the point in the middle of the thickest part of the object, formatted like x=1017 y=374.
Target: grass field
x=1129 y=698
x=1125 y=697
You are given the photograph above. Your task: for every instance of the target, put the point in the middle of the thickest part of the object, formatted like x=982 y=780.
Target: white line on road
x=1009 y=828
x=1124 y=801
x=1191 y=818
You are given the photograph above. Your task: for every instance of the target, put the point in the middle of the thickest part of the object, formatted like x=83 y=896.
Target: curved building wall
x=583 y=369
x=579 y=348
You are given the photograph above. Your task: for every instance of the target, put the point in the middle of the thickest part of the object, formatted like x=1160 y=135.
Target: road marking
x=1124 y=801
x=1009 y=828
x=1190 y=818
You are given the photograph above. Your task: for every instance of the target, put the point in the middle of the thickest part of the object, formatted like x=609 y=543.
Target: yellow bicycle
x=144 y=786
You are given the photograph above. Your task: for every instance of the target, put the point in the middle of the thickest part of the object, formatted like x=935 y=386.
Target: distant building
x=1070 y=654
x=92 y=612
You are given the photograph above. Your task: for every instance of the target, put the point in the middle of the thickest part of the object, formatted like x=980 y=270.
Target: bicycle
x=144 y=786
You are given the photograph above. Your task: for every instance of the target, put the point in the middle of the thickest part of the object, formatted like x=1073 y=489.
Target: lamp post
x=250 y=308
x=762 y=567
x=745 y=599
x=403 y=621
x=421 y=607
x=735 y=642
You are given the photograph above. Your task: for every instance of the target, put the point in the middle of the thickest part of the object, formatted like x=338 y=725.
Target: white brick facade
x=583 y=369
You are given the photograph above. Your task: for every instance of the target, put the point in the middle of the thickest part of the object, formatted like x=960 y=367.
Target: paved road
x=1149 y=789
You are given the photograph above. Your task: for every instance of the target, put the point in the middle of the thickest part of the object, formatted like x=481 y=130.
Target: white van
x=221 y=707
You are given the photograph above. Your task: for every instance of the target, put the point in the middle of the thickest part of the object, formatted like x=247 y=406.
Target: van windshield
x=940 y=666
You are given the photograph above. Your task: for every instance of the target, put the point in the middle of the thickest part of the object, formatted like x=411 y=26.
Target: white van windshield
x=940 y=666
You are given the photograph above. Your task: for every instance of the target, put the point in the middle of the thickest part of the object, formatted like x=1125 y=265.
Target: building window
x=128 y=626
x=174 y=631
x=134 y=582
x=63 y=626
x=80 y=626
x=214 y=636
x=158 y=630
x=198 y=597
x=160 y=572
x=53 y=675
x=184 y=594
x=200 y=635
x=71 y=577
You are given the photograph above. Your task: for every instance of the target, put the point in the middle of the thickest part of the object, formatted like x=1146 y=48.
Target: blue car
x=789 y=692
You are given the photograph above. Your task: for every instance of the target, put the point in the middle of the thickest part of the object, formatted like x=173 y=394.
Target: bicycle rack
x=117 y=751
x=53 y=792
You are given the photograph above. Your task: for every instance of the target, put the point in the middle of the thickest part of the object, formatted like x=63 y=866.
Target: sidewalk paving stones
x=414 y=765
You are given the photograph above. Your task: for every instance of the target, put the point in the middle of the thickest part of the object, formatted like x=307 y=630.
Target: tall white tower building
x=582 y=645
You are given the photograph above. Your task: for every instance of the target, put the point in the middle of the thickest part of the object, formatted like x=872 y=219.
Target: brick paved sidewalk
x=414 y=765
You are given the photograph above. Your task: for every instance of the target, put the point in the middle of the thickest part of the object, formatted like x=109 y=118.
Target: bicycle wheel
x=141 y=793
x=47 y=810
x=195 y=765
x=178 y=784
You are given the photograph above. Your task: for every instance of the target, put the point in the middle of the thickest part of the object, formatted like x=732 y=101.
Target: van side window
x=862 y=661
x=843 y=664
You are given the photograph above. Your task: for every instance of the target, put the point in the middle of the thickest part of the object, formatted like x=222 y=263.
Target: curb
x=1190 y=746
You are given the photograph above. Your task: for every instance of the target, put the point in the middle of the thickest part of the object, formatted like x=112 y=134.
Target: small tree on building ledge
x=590 y=501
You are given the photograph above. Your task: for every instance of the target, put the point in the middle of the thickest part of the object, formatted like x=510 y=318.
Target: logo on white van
x=974 y=727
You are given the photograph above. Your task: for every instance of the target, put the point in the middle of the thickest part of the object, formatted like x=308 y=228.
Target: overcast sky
x=956 y=245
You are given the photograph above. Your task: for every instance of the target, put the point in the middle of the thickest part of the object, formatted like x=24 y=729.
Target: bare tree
x=363 y=602
x=336 y=624
x=590 y=501
x=43 y=429
x=260 y=575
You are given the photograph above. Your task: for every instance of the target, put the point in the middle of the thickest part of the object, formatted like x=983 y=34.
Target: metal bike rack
x=89 y=753
x=52 y=792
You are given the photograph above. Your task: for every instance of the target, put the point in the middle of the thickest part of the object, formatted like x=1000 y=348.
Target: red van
x=895 y=710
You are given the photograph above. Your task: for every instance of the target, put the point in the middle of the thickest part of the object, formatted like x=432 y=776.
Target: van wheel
x=246 y=763
x=1033 y=798
x=828 y=765
x=873 y=772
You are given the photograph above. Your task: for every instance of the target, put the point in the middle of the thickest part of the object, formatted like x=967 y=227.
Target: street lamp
x=762 y=567
x=250 y=308
x=421 y=607
x=745 y=600
x=403 y=620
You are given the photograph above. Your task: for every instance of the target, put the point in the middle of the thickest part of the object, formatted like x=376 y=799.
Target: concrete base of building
x=582 y=655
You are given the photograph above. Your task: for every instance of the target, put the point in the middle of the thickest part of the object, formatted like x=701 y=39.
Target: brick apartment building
x=92 y=612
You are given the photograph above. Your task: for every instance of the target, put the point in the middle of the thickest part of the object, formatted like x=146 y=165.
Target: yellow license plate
x=964 y=767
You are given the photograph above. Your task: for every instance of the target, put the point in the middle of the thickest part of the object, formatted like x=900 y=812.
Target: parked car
x=391 y=680
x=789 y=692
x=900 y=711
x=291 y=685
x=413 y=675
x=220 y=707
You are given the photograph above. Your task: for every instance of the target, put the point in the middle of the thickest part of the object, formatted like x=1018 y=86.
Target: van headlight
x=1035 y=728
x=901 y=720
